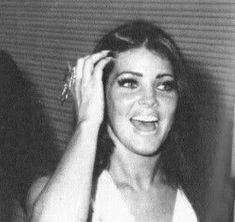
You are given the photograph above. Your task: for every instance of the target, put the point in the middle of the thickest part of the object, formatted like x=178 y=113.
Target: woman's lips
x=145 y=125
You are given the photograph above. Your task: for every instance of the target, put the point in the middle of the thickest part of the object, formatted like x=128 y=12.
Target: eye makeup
x=167 y=85
x=127 y=82
x=131 y=80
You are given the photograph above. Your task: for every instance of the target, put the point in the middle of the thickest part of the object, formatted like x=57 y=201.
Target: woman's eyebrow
x=159 y=76
x=130 y=72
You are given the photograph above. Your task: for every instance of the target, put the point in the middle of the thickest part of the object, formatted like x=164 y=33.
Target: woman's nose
x=148 y=98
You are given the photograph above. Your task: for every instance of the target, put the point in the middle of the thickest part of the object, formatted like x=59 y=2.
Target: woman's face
x=141 y=100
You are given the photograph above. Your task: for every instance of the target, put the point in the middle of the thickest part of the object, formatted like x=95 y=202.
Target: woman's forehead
x=141 y=60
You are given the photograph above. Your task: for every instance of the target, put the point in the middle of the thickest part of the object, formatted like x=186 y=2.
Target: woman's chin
x=145 y=147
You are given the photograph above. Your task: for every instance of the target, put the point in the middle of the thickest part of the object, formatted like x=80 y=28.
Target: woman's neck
x=134 y=170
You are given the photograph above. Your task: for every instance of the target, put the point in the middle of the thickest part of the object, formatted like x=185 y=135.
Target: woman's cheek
x=126 y=98
x=168 y=104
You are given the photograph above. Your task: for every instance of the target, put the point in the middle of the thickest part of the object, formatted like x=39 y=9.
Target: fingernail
x=110 y=57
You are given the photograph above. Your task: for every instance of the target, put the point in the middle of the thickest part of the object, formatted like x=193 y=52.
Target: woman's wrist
x=89 y=125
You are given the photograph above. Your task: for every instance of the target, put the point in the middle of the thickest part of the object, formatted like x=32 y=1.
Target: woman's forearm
x=66 y=196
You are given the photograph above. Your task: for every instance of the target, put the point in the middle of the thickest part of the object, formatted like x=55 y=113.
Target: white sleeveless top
x=109 y=205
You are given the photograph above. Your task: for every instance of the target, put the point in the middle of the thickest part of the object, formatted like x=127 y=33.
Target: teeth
x=145 y=118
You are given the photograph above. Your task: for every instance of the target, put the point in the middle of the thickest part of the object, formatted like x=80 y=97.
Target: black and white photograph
x=117 y=111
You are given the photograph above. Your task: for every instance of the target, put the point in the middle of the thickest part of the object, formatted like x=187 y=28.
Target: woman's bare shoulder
x=34 y=192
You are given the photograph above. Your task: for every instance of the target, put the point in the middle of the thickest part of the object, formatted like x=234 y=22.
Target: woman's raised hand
x=88 y=90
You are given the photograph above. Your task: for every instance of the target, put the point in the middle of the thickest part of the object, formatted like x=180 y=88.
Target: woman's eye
x=167 y=86
x=128 y=83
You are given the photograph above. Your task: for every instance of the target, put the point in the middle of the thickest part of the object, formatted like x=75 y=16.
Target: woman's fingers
x=89 y=63
x=98 y=70
x=88 y=86
x=85 y=66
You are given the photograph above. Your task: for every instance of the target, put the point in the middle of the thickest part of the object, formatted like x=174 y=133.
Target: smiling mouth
x=146 y=125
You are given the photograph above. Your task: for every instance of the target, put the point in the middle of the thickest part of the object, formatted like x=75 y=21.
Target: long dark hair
x=177 y=154
x=27 y=147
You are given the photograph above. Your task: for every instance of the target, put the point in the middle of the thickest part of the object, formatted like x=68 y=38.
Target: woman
x=127 y=159
x=26 y=142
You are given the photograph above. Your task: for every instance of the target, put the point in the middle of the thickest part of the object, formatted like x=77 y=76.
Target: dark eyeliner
x=123 y=81
x=169 y=85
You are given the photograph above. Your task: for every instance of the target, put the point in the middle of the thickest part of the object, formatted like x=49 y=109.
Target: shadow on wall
x=215 y=199
x=27 y=147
